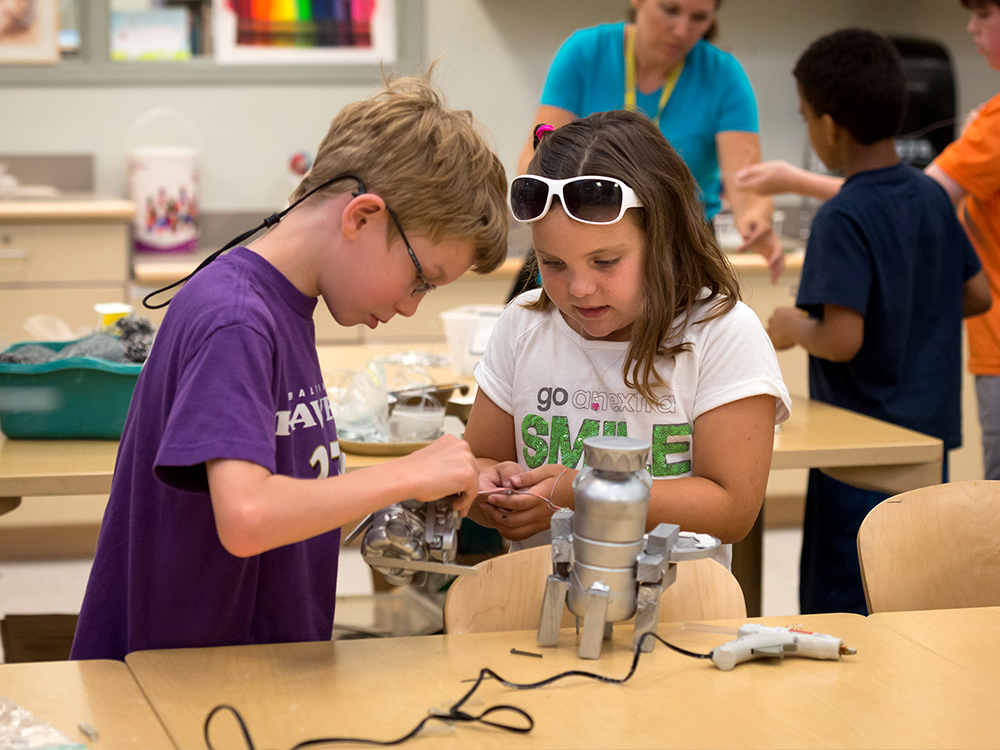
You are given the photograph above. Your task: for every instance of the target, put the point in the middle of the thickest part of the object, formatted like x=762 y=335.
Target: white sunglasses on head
x=589 y=199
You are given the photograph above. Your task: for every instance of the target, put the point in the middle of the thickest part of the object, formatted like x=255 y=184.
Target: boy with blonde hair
x=229 y=490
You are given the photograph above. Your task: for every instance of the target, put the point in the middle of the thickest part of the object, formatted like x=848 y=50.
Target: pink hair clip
x=541 y=130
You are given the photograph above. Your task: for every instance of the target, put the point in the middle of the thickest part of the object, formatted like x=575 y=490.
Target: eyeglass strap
x=267 y=223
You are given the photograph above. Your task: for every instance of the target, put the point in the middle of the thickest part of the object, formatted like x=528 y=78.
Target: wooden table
x=863 y=451
x=966 y=637
x=856 y=449
x=54 y=467
x=892 y=694
x=100 y=693
x=847 y=445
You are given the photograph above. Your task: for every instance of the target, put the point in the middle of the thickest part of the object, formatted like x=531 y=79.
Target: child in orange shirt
x=969 y=170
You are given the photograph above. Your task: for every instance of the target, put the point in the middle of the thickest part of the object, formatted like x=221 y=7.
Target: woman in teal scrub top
x=662 y=64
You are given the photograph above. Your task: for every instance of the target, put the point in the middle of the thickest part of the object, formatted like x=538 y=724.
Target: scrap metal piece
x=398 y=566
x=647 y=614
x=594 y=620
x=553 y=604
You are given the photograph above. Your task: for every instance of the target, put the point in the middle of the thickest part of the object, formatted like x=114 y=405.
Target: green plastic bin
x=68 y=399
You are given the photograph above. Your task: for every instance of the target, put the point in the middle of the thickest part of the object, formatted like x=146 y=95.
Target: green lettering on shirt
x=619 y=429
x=534 y=430
x=561 y=448
x=564 y=451
x=663 y=447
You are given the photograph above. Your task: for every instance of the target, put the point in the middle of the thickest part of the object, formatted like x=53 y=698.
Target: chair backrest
x=507 y=594
x=933 y=548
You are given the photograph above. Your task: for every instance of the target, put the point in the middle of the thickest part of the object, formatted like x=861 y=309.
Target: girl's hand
x=519 y=516
x=498 y=476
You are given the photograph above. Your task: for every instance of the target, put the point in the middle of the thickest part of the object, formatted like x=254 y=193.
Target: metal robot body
x=609 y=525
x=605 y=567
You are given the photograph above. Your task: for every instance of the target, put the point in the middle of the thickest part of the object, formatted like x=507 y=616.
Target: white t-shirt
x=561 y=388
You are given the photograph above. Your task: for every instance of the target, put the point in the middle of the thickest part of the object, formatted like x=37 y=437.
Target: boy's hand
x=784 y=325
x=445 y=468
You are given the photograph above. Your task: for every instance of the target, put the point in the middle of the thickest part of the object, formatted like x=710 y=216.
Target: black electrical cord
x=454 y=714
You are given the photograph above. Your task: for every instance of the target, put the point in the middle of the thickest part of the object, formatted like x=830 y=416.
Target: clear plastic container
x=467 y=330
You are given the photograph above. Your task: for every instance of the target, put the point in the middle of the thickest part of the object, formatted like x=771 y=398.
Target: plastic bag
x=359 y=400
x=21 y=730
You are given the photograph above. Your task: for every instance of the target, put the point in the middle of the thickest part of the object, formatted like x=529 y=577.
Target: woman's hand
x=759 y=237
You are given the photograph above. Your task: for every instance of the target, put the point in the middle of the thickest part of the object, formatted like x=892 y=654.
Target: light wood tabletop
x=966 y=637
x=857 y=449
x=817 y=435
x=99 y=693
x=843 y=443
x=893 y=693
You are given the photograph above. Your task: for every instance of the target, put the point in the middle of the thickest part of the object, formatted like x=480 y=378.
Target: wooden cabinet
x=60 y=257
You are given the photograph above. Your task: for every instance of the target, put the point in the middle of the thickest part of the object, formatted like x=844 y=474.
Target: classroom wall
x=494 y=57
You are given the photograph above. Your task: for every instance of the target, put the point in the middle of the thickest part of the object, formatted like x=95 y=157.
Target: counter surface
x=68 y=207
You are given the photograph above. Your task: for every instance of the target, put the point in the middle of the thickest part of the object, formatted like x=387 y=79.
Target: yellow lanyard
x=668 y=84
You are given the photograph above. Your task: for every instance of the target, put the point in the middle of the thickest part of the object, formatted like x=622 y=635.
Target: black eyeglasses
x=424 y=286
x=589 y=199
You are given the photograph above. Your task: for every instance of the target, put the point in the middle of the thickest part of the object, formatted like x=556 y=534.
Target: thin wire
x=508 y=492
x=552 y=495
x=454 y=714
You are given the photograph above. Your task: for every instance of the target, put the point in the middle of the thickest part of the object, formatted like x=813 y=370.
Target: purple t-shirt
x=233 y=373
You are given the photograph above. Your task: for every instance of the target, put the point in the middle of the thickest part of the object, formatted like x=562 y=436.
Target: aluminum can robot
x=605 y=567
x=609 y=524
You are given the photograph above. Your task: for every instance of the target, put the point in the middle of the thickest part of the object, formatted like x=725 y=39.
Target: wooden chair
x=933 y=548
x=507 y=594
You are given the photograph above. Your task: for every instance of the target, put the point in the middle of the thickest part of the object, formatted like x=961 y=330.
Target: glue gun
x=756 y=641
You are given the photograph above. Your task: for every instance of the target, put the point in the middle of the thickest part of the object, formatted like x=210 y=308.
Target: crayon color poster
x=304 y=31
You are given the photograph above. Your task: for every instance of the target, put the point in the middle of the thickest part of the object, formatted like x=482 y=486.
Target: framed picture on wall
x=304 y=32
x=28 y=31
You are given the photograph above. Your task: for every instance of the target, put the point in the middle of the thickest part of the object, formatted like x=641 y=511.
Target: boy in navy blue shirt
x=888 y=276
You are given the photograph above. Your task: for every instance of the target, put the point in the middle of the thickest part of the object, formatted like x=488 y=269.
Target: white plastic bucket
x=164 y=185
x=467 y=330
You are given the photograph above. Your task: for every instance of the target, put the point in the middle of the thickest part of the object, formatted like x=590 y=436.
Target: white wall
x=495 y=54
